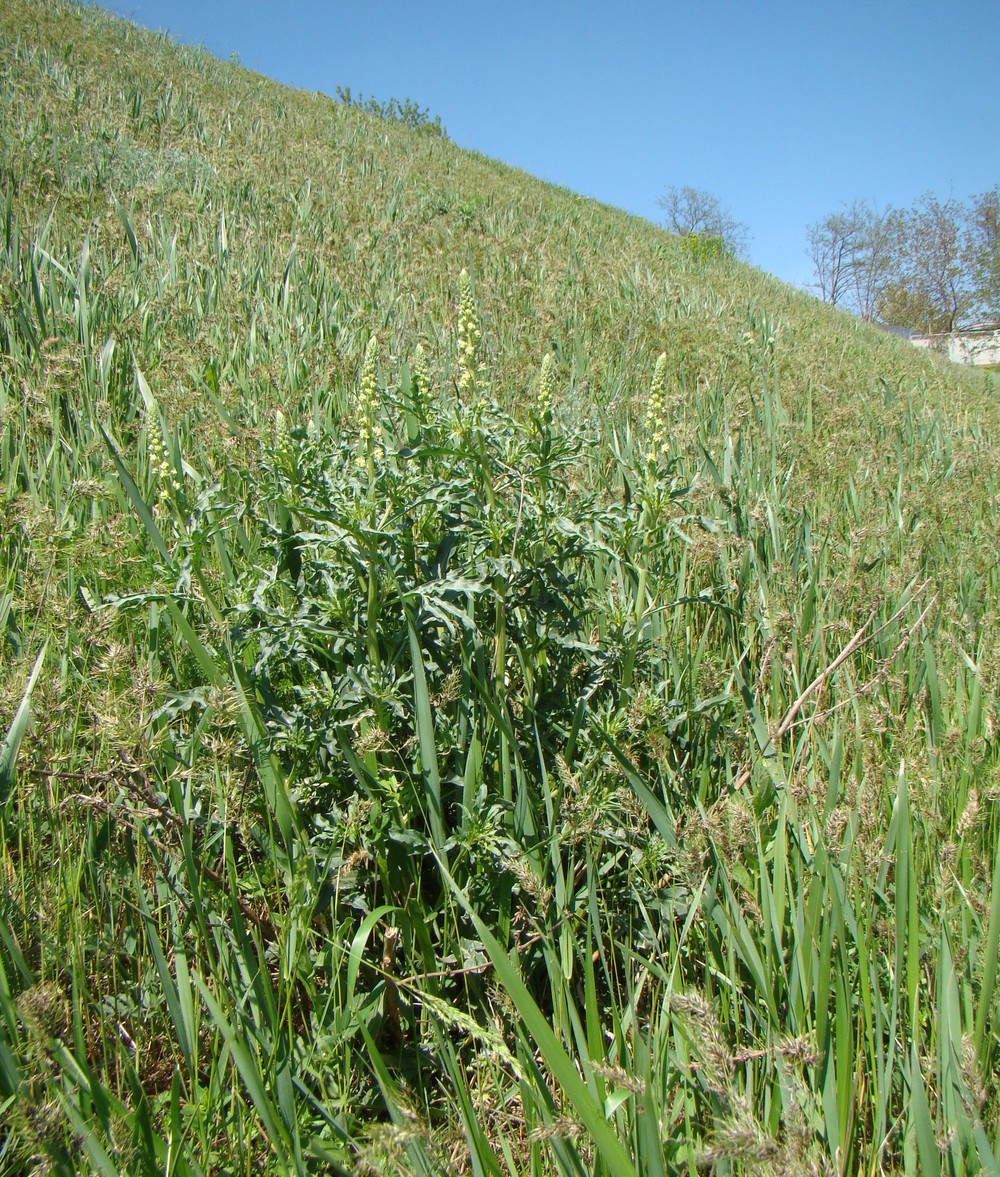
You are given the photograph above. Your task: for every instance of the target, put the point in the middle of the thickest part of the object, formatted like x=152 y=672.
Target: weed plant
x=485 y=688
x=408 y=113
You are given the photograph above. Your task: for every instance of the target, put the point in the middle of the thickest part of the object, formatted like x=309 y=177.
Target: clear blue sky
x=784 y=110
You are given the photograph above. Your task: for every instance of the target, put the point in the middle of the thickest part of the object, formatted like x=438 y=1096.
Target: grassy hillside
x=482 y=690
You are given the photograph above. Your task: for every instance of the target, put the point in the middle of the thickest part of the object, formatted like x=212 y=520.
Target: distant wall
x=964 y=347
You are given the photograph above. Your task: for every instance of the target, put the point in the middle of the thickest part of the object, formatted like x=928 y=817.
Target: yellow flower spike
x=656 y=413
x=546 y=387
x=368 y=393
x=159 y=457
x=469 y=336
x=421 y=372
x=282 y=437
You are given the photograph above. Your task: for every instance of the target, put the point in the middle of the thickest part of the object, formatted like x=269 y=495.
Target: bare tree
x=874 y=256
x=694 y=212
x=929 y=267
x=829 y=249
x=854 y=254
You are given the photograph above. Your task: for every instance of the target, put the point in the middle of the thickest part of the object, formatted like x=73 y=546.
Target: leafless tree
x=874 y=255
x=929 y=267
x=829 y=247
x=694 y=212
x=854 y=254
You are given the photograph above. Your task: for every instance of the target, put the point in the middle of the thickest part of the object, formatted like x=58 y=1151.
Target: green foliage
x=569 y=750
x=406 y=113
x=694 y=213
x=702 y=247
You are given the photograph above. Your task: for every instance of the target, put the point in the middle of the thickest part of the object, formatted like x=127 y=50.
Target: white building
x=978 y=344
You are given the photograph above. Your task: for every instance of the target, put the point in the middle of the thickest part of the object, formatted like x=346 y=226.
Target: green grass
x=442 y=758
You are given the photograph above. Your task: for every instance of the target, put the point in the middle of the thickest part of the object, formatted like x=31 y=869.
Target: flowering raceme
x=421 y=373
x=546 y=388
x=282 y=437
x=469 y=337
x=368 y=395
x=656 y=413
x=160 y=470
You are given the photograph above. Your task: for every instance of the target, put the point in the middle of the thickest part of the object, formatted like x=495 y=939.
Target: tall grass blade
x=266 y=763
x=274 y=1127
x=563 y=1069
x=420 y=1162
x=919 y=1119
x=990 y=963
x=15 y=733
x=425 y=734
x=136 y=499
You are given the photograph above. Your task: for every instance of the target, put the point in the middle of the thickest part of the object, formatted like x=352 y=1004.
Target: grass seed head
x=45 y=1012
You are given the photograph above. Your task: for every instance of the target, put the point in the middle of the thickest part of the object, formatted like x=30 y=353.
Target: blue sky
x=784 y=111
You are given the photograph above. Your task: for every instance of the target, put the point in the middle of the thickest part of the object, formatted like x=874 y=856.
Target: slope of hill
x=484 y=690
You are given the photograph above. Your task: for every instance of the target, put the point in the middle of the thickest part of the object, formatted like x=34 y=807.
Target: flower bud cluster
x=421 y=373
x=546 y=388
x=469 y=336
x=282 y=437
x=161 y=471
x=368 y=395
x=656 y=413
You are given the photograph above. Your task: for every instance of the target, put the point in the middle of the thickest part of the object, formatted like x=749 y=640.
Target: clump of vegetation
x=704 y=247
x=407 y=113
x=706 y=227
x=483 y=689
